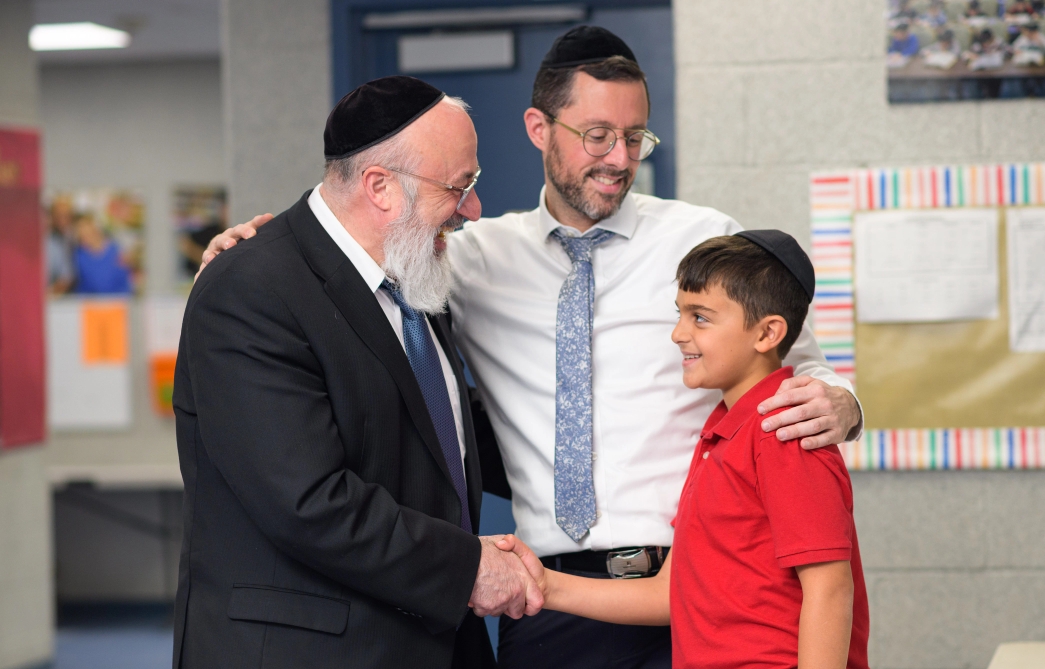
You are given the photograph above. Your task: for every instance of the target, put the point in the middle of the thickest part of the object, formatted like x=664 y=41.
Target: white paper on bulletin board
x=1025 y=234
x=163 y=324
x=926 y=266
x=83 y=394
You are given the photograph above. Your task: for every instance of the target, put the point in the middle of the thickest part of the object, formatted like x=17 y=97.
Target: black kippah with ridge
x=787 y=250
x=583 y=45
x=374 y=112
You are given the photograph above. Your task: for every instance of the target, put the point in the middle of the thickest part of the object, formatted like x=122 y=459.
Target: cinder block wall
x=767 y=92
x=276 y=87
x=26 y=609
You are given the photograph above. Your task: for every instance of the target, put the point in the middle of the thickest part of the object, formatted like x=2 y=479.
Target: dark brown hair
x=553 y=87
x=752 y=278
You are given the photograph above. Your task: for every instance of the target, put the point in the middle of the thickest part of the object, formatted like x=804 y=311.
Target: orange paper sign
x=161 y=373
x=104 y=333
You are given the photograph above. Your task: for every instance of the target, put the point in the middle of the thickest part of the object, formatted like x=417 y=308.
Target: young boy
x=765 y=569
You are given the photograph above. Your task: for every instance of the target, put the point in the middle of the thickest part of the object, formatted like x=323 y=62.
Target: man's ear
x=771 y=331
x=378 y=185
x=537 y=127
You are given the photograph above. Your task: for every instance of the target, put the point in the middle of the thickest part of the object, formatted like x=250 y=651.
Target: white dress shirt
x=373 y=275
x=646 y=423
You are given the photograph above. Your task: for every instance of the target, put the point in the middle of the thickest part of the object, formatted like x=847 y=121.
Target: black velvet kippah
x=585 y=44
x=784 y=248
x=374 y=112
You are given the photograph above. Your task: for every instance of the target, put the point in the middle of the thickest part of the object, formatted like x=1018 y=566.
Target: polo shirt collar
x=371 y=272
x=622 y=223
x=747 y=406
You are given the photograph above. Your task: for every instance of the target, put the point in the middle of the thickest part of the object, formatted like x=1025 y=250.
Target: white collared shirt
x=373 y=275
x=646 y=423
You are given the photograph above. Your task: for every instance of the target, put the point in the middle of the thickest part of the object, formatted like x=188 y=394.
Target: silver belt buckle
x=628 y=563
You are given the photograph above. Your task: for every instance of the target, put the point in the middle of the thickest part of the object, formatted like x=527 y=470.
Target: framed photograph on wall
x=941 y=50
x=95 y=241
x=199 y=215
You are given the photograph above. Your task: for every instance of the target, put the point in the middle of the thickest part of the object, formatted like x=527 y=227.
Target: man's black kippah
x=784 y=248
x=374 y=112
x=583 y=45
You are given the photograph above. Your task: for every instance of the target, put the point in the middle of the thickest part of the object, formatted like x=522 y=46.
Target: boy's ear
x=771 y=331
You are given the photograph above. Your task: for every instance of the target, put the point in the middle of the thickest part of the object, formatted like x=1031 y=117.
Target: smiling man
x=332 y=484
x=564 y=315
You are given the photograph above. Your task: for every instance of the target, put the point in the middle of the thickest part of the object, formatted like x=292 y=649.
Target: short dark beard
x=597 y=208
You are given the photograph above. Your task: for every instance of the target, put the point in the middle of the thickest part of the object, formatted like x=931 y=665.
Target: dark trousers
x=555 y=640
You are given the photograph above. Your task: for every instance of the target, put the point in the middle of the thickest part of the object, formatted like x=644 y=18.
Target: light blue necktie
x=420 y=351
x=574 y=484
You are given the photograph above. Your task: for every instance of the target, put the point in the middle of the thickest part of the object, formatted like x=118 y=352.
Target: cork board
x=959 y=374
x=948 y=395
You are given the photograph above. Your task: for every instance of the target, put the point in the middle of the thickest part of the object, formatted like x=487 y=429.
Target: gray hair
x=393 y=153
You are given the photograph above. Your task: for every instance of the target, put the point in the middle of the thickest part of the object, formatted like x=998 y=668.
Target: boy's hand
x=228 y=239
x=510 y=542
x=820 y=413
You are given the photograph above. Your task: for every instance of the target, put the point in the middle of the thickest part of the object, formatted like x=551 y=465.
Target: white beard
x=424 y=278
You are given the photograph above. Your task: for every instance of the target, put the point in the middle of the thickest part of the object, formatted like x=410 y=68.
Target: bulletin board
x=949 y=394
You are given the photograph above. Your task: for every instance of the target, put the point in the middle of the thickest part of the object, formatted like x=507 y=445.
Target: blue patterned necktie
x=420 y=351
x=574 y=483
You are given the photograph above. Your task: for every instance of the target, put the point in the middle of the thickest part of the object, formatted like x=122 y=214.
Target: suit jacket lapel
x=357 y=303
x=473 y=476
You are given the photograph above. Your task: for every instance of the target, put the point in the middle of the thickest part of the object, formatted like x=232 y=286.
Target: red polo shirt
x=752 y=509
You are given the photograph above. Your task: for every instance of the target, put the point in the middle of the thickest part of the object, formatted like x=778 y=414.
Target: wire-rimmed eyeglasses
x=599 y=141
x=463 y=191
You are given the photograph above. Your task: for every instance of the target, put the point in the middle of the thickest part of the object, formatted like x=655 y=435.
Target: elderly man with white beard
x=330 y=466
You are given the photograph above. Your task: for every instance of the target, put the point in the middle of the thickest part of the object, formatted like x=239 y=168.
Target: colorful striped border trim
x=834 y=198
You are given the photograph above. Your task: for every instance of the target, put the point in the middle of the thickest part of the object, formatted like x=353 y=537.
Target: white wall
x=768 y=91
x=151 y=126
x=26 y=609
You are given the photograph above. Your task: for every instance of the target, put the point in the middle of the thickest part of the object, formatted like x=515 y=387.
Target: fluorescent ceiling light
x=483 y=16
x=69 y=36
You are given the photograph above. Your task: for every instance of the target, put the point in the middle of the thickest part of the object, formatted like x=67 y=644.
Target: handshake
x=510 y=580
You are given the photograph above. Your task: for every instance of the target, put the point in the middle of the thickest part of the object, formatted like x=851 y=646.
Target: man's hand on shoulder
x=503 y=584
x=228 y=239
x=820 y=415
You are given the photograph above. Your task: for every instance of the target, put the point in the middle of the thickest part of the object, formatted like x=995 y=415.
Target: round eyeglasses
x=599 y=141
x=463 y=191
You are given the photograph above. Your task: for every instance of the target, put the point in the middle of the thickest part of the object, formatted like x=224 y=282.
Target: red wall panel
x=22 y=393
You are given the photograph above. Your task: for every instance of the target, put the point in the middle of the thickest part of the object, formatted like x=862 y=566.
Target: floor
x=114 y=636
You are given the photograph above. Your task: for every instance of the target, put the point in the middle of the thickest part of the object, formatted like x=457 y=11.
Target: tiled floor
x=114 y=636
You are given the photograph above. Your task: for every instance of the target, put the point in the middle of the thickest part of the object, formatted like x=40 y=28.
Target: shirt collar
x=728 y=422
x=371 y=272
x=622 y=223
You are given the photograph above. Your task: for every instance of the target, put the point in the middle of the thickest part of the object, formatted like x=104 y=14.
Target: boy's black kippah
x=374 y=112
x=583 y=45
x=787 y=250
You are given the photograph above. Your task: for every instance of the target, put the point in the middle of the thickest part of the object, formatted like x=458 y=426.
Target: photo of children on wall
x=95 y=242
x=965 y=49
x=199 y=215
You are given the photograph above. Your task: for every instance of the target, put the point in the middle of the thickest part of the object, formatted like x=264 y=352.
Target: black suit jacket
x=321 y=525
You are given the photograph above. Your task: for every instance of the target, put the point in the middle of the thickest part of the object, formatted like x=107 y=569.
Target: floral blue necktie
x=574 y=483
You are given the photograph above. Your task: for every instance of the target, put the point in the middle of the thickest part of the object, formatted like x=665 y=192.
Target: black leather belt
x=634 y=562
